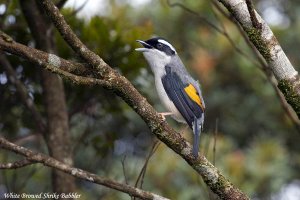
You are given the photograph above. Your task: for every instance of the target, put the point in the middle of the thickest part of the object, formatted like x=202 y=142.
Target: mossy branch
x=266 y=43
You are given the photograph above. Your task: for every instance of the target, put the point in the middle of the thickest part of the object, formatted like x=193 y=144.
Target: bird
x=178 y=91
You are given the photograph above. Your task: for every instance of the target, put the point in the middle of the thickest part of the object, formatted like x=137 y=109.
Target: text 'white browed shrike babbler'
x=177 y=90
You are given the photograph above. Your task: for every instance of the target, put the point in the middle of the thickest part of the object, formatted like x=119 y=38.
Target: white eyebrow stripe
x=167 y=43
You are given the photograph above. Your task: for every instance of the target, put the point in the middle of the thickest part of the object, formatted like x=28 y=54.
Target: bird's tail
x=197 y=128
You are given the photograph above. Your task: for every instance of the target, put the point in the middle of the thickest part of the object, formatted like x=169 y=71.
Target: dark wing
x=184 y=96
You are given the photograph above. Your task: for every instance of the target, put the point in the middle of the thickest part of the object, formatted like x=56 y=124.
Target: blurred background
x=256 y=143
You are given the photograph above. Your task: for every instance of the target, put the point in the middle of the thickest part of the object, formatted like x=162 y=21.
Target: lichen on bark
x=261 y=45
x=291 y=93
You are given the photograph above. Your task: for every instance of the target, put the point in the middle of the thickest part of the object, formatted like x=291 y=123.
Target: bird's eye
x=159 y=45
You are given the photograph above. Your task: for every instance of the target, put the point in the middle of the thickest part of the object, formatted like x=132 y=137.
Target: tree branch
x=17 y=164
x=9 y=45
x=48 y=61
x=35 y=157
x=264 y=67
x=255 y=22
x=268 y=46
x=71 y=38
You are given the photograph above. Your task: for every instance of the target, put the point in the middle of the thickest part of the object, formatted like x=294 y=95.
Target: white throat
x=157 y=61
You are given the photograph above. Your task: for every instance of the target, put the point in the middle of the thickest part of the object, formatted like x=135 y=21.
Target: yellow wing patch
x=192 y=93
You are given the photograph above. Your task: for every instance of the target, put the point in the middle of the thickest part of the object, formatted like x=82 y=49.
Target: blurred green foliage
x=257 y=145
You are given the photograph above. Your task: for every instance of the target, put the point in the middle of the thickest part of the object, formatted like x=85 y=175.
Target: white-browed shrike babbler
x=177 y=90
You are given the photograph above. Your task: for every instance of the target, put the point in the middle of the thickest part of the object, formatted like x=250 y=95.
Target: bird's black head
x=159 y=44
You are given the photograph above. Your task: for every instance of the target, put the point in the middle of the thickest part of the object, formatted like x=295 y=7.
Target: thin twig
x=215 y=141
x=17 y=164
x=206 y=145
x=80 y=7
x=155 y=147
x=30 y=137
x=61 y=4
x=176 y=4
x=255 y=22
x=124 y=169
x=144 y=168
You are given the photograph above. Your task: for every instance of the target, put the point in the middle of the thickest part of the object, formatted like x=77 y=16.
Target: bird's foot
x=163 y=114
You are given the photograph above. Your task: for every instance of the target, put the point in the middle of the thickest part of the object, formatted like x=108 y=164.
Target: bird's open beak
x=146 y=46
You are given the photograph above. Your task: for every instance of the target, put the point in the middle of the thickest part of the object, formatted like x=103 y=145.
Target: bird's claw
x=163 y=114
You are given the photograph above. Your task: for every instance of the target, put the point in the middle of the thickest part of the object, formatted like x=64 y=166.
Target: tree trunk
x=58 y=136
